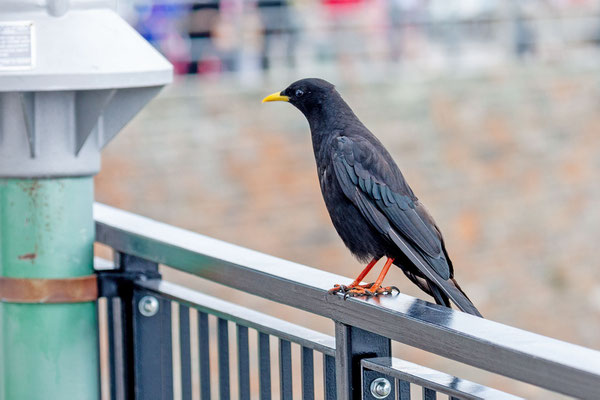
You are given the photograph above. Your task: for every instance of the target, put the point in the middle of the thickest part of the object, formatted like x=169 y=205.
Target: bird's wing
x=388 y=204
x=385 y=199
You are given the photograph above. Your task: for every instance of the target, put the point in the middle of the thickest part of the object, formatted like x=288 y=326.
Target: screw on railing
x=377 y=386
x=381 y=388
x=148 y=306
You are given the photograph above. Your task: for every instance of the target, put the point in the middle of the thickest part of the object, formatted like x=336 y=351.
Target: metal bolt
x=381 y=388
x=148 y=306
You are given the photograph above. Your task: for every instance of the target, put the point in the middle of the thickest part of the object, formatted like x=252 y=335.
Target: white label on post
x=16 y=45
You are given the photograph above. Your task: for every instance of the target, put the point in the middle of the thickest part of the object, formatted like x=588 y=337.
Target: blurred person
x=177 y=50
x=279 y=24
x=524 y=36
x=158 y=25
x=201 y=22
x=226 y=34
x=596 y=38
x=342 y=5
x=250 y=45
x=402 y=15
x=344 y=19
x=150 y=21
x=445 y=27
x=155 y=21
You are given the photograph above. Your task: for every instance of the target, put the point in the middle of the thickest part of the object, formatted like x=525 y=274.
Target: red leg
x=364 y=272
x=371 y=289
x=375 y=288
x=357 y=281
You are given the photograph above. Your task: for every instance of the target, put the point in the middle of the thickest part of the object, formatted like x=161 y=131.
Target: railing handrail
x=515 y=353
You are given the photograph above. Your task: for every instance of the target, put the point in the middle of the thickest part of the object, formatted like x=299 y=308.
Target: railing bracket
x=118 y=282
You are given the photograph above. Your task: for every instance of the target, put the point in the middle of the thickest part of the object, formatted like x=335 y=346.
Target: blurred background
x=491 y=109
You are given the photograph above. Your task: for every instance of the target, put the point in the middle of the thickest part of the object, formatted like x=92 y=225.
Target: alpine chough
x=371 y=206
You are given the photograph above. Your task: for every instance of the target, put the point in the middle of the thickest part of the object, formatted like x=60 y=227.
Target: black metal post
x=117 y=286
x=153 y=359
x=352 y=345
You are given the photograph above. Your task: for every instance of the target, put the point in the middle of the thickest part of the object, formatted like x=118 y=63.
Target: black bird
x=370 y=203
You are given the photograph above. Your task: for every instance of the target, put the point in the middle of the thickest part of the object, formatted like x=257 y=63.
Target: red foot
x=369 y=289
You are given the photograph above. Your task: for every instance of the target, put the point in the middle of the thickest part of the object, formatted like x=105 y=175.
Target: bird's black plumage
x=371 y=206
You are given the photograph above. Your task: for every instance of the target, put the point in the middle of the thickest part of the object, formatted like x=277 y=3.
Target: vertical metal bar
x=223 y=346
x=203 y=340
x=264 y=366
x=329 y=381
x=243 y=362
x=152 y=348
x=308 y=374
x=115 y=349
x=285 y=369
x=352 y=345
x=105 y=382
x=403 y=390
x=166 y=354
x=429 y=394
x=184 y=345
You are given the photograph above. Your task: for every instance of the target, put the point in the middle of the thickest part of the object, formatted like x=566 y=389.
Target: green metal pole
x=47 y=351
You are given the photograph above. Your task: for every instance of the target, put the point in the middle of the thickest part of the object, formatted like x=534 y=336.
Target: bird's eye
x=299 y=92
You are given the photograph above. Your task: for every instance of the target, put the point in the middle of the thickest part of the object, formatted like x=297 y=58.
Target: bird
x=371 y=205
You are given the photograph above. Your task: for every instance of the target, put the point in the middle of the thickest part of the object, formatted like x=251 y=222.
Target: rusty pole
x=47 y=350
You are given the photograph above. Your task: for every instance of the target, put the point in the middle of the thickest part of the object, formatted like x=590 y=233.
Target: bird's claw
x=338 y=289
x=383 y=291
x=363 y=290
x=344 y=289
x=356 y=292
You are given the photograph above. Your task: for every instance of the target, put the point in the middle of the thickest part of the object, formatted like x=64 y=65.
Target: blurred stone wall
x=507 y=162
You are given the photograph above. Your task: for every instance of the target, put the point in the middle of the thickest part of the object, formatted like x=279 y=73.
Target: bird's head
x=305 y=94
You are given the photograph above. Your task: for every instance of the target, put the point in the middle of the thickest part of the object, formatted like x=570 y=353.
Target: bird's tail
x=460 y=289
x=449 y=288
x=466 y=304
x=428 y=287
x=439 y=296
x=461 y=300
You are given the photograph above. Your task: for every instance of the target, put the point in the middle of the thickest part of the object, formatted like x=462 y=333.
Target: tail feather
x=449 y=288
x=439 y=297
x=428 y=287
x=459 y=288
x=460 y=298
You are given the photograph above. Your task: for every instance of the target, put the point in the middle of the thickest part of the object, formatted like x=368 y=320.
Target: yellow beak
x=275 y=97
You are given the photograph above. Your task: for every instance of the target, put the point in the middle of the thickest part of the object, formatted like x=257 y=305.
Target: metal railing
x=357 y=362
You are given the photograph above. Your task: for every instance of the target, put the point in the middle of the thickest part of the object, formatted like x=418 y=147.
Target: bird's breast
x=354 y=230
